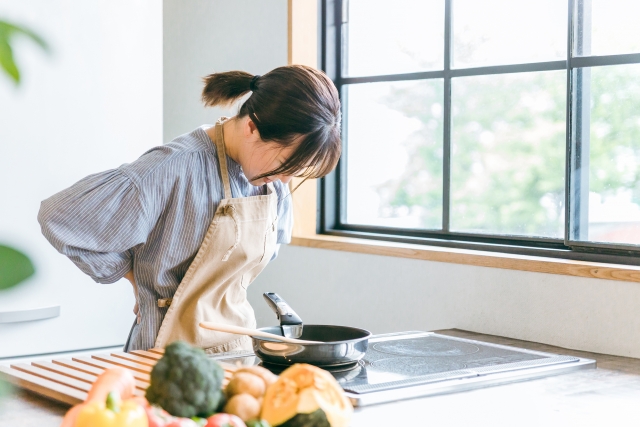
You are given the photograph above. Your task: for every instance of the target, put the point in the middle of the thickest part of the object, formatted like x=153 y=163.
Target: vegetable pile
x=186 y=391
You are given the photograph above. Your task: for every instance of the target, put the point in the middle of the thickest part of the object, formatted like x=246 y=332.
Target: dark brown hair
x=286 y=103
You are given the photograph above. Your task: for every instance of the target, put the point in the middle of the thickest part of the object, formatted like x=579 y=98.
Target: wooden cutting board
x=69 y=380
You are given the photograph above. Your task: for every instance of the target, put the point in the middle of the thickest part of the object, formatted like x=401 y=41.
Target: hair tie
x=252 y=85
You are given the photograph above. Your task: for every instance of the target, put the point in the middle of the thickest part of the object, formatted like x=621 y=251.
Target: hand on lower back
x=136 y=307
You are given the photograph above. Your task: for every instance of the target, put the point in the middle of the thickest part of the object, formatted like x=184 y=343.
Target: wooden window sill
x=470 y=257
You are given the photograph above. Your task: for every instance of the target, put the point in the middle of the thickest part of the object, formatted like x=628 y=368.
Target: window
x=499 y=125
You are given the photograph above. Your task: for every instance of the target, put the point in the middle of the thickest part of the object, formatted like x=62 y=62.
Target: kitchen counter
x=608 y=395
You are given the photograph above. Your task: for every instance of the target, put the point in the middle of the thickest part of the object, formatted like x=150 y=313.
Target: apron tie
x=231 y=211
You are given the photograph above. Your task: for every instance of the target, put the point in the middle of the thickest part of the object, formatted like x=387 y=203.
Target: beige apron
x=239 y=243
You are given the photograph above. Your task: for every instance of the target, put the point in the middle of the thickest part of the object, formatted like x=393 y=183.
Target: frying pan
x=339 y=346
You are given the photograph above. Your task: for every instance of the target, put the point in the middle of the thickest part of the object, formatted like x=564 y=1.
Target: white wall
x=213 y=36
x=387 y=294
x=93 y=104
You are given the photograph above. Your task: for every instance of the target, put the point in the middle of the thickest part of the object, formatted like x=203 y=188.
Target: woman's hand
x=136 y=307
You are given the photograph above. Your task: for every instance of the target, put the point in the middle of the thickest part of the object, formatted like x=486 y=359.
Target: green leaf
x=10 y=29
x=7 y=62
x=15 y=267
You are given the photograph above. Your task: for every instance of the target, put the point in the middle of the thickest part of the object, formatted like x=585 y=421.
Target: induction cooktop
x=414 y=364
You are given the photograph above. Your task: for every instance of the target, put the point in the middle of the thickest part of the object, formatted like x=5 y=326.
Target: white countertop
x=608 y=395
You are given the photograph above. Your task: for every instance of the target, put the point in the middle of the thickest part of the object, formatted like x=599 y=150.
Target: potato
x=268 y=377
x=244 y=406
x=245 y=382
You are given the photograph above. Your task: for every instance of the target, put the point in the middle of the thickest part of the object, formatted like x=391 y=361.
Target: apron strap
x=231 y=210
x=222 y=157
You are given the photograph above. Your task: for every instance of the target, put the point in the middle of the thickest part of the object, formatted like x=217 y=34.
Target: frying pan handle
x=285 y=313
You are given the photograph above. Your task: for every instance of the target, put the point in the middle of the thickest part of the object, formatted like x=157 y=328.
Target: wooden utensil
x=253 y=332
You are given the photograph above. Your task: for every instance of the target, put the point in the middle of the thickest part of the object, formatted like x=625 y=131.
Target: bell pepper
x=115 y=379
x=112 y=413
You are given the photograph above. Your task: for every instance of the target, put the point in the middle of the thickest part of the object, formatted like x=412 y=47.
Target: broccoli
x=185 y=382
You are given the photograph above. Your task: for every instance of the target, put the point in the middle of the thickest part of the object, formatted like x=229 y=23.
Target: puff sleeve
x=96 y=223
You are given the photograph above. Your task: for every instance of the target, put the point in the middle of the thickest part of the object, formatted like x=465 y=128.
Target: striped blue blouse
x=151 y=216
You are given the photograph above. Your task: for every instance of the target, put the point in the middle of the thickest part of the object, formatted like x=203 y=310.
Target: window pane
x=611 y=138
x=508 y=154
x=394 y=153
x=606 y=27
x=389 y=38
x=495 y=32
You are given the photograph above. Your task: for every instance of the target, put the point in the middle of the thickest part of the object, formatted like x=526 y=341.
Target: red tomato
x=224 y=420
x=181 y=422
x=158 y=417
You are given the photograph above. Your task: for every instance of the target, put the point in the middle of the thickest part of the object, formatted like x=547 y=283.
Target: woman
x=193 y=222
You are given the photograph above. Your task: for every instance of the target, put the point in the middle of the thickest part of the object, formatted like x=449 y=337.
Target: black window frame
x=332 y=188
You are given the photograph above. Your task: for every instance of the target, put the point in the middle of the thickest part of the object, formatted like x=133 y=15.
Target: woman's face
x=258 y=157
x=264 y=157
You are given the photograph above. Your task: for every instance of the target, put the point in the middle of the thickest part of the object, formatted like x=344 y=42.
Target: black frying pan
x=339 y=345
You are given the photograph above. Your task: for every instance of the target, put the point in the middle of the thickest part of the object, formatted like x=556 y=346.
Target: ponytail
x=286 y=103
x=225 y=88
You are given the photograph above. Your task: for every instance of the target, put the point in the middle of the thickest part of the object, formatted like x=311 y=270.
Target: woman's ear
x=250 y=128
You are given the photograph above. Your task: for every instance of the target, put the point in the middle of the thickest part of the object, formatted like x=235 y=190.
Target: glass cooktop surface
x=426 y=360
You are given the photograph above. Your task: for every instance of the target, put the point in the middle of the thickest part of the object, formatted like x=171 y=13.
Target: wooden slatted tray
x=69 y=380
